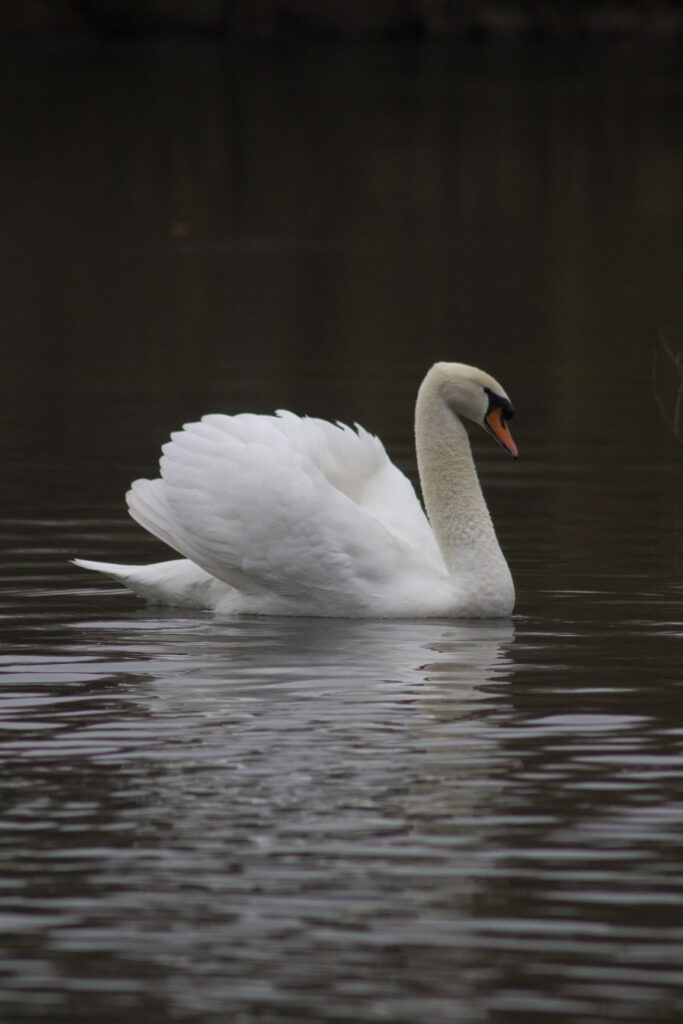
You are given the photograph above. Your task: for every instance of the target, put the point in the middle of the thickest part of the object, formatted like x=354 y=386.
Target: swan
x=284 y=515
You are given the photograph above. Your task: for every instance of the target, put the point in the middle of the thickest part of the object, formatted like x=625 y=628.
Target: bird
x=288 y=515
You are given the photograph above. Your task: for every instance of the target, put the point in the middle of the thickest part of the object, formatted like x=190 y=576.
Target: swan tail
x=117 y=572
x=177 y=582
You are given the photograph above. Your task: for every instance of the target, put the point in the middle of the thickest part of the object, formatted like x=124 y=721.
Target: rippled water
x=289 y=820
x=297 y=819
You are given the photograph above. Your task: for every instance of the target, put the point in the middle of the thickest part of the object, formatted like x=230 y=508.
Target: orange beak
x=500 y=430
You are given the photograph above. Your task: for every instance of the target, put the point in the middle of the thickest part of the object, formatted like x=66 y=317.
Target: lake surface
x=286 y=820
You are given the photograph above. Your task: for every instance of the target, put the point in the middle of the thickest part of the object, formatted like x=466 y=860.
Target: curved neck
x=450 y=487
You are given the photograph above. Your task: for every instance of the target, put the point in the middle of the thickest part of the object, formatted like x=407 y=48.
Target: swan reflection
x=313 y=656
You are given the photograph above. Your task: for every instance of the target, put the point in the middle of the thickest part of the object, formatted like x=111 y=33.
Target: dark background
x=262 y=19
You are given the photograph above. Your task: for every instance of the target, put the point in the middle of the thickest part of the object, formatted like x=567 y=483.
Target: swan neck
x=451 y=491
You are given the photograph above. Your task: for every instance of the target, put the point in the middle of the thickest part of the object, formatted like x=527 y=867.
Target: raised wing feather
x=281 y=505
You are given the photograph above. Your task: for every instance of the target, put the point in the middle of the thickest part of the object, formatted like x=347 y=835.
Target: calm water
x=302 y=820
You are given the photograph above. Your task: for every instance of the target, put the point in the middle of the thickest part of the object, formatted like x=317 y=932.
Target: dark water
x=292 y=820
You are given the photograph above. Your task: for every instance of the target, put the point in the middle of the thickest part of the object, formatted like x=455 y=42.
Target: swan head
x=476 y=396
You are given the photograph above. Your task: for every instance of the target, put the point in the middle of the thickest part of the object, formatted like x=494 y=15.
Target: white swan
x=282 y=515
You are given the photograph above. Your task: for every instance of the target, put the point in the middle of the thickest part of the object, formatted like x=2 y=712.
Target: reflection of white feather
x=667 y=383
x=291 y=516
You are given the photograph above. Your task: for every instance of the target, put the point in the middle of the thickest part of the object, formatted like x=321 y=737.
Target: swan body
x=282 y=515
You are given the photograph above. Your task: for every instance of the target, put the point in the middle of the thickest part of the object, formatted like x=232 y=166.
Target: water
x=291 y=820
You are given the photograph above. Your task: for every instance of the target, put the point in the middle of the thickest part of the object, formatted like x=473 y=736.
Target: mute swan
x=282 y=515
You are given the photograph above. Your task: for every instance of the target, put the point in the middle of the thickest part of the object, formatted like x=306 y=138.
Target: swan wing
x=299 y=510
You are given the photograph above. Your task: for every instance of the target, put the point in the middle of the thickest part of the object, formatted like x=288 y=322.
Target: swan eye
x=498 y=402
